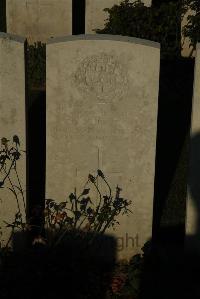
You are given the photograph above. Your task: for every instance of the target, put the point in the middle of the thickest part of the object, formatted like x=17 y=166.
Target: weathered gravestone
x=102 y=96
x=193 y=202
x=12 y=122
x=96 y=16
x=39 y=20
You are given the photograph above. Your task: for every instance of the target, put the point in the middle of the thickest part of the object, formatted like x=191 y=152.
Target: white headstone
x=193 y=206
x=39 y=20
x=96 y=16
x=102 y=94
x=12 y=122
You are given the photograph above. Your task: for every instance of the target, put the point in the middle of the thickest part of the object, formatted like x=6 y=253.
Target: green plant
x=161 y=24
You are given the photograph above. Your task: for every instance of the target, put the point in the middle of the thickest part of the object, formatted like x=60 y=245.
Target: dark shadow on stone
x=163 y=272
x=168 y=270
x=174 y=114
x=73 y=269
x=192 y=242
x=172 y=270
x=3 y=23
x=36 y=141
x=194 y=178
x=78 y=17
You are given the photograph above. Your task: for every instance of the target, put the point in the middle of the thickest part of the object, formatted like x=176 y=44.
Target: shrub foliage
x=160 y=24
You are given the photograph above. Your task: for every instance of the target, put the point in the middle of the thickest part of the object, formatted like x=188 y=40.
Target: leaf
x=52 y=204
x=77 y=214
x=85 y=191
x=106 y=199
x=72 y=196
x=16 y=155
x=4 y=141
x=16 y=140
x=89 y=211
x=82 y=207
x=18 y=215
x=91 y=178
x=48 y=200
x=100 y=173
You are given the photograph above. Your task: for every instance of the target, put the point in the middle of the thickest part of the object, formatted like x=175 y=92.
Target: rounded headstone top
x=118 y=38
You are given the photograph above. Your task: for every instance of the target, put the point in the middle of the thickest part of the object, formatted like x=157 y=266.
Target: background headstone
x=12 y=121
x=102 y=96
x=193 y=202
x=96 y=16
x=39 y=20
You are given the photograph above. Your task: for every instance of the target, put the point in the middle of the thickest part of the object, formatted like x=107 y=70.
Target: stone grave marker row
x=39 y=20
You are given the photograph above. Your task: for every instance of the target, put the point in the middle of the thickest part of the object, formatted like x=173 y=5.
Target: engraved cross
x=100 y=165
